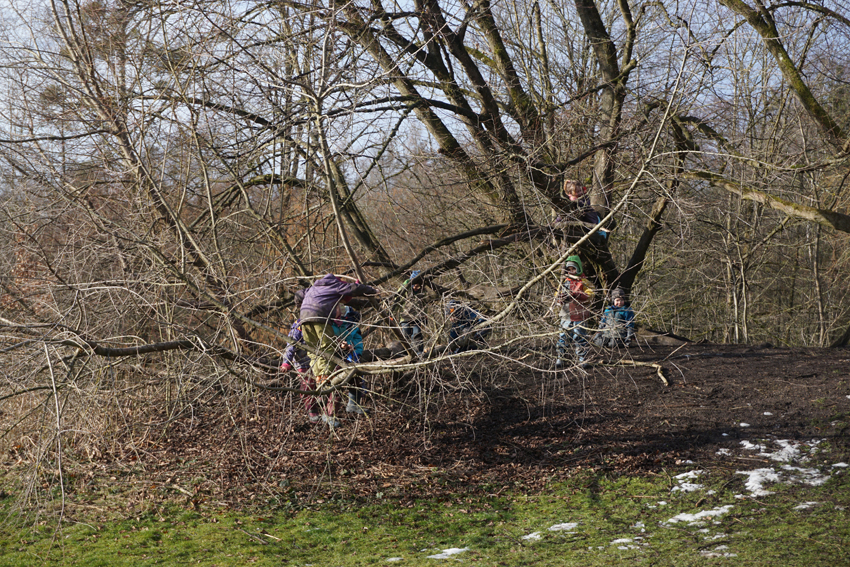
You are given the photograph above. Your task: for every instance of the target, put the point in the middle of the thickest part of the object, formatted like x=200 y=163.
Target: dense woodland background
x=173 y=171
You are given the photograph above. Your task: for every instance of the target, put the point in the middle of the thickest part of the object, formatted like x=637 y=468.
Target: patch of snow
x=724 y=452
x=725 y=435
x=788 y=450
x=752 y=446
x=768 y=413
x=812 y=477
x=687 y=487
x=394 y=559
x=841 y=465
x=742 y=424
x=719 y=551
x=692 y=518
x=446 y=553
x=689 y=475
x=715 y=536
x=806 y=505
x=533 y=536
x=757 y=479
x=564 y=527
x=621 y=540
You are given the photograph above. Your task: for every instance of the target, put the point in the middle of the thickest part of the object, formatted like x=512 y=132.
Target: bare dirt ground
x=528 y=427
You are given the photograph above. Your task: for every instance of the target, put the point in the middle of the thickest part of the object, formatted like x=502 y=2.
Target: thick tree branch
x=831 y=219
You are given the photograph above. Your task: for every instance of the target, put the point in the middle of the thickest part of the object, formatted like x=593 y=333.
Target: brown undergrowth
x=466 y=428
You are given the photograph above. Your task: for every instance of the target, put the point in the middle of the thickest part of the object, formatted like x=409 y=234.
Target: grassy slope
x=619 y=520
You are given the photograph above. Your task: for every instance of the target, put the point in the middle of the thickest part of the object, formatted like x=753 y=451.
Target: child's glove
x=286 y=367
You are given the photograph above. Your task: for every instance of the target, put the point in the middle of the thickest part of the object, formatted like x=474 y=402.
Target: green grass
x=620 y=520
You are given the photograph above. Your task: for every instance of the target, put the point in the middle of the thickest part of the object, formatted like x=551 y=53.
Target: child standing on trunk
x=574 y=295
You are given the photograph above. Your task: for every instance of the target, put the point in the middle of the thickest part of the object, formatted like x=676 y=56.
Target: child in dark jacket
x=617 y=327
x=461 y=336
x=413 y=316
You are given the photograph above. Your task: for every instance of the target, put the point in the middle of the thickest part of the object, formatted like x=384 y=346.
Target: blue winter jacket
x=618 y=322
x=348 y=329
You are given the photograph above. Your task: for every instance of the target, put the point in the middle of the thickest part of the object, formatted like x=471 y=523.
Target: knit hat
x=618 y=293
x=575 y=262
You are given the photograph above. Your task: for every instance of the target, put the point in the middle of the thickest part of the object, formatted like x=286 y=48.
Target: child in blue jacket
x=617 y=328
x=463 y=319
x=349 y=339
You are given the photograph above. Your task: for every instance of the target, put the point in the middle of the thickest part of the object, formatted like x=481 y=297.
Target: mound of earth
x=486 y=424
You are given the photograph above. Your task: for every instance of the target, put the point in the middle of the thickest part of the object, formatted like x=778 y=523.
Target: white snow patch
x=752 y=446
x=691 y=518
x=840 y=465
x=394 y=559
x=715 y=536
x=788 y=450
x=806 y=505
x=625 y=543
x=690 y=475
x=768 y=413
x=687 y=487
x=757 y=479
x=742 y=424
x=812 y=477
x=446 y=553
x=719 y=551
x=533 y=536
x=564 y=527
x=724 y=452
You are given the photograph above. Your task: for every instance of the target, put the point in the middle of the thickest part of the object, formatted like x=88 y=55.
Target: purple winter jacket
x=325 y=294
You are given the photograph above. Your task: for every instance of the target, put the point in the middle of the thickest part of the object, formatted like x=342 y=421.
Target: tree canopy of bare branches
x=173 y=172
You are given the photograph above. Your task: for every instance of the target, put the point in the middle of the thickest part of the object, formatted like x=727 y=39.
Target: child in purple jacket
x=298 y=358
x=321 y=302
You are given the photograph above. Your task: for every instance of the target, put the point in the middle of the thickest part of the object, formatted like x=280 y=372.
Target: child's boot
x=353 y=405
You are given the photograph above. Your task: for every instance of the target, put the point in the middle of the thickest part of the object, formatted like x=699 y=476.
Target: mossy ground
x=593 y=519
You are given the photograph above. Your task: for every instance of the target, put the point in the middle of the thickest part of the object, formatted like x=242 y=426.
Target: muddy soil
x=488 y=424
